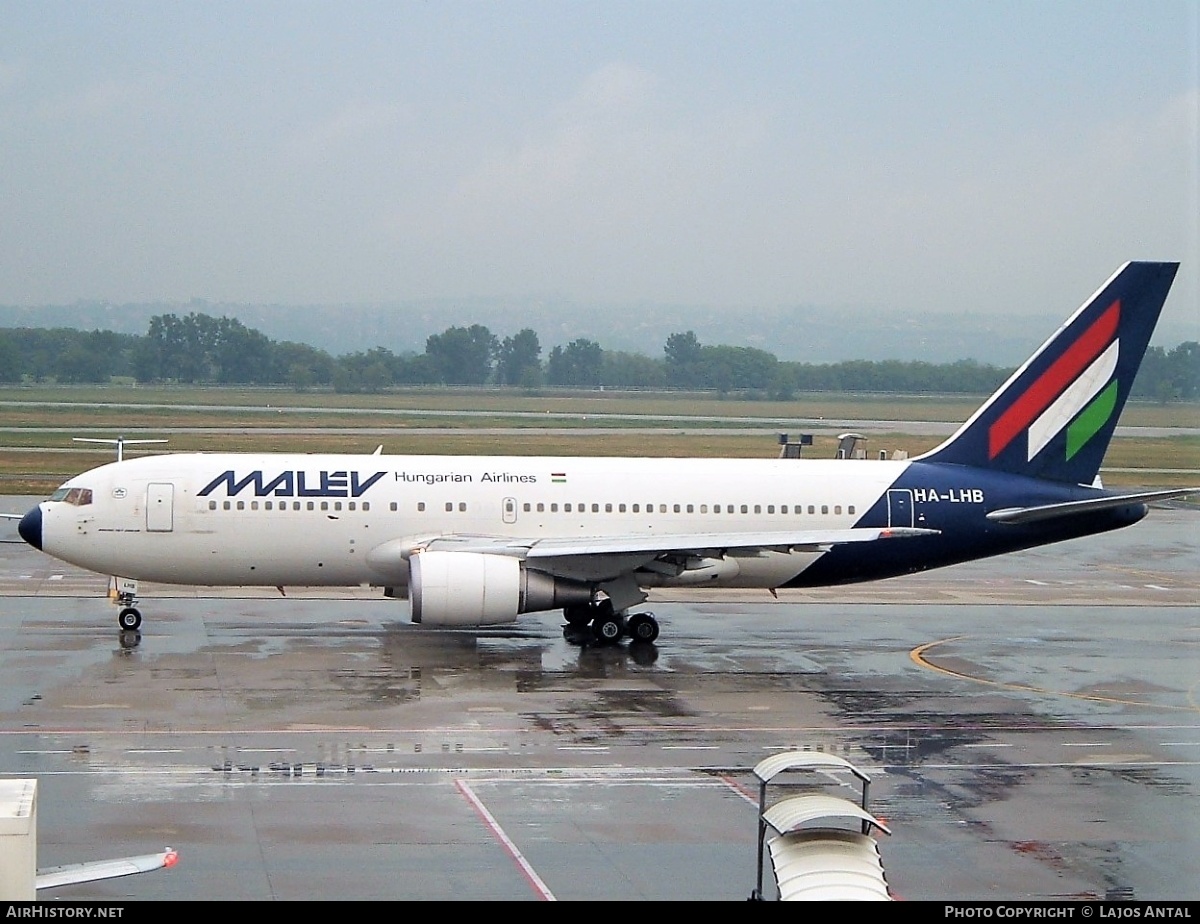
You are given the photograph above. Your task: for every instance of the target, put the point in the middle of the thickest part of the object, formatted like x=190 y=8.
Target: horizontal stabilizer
x=1077 y=508
x=75 y=873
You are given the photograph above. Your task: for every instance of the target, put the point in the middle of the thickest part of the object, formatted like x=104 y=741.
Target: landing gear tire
x=129 y=619
x=642 y=627
x=607 y=629
x=578 y=616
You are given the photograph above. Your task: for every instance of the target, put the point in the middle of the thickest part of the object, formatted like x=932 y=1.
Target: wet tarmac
x=1031 y=725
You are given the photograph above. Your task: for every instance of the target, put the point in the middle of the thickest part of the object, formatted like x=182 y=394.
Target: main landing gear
x=606 y=626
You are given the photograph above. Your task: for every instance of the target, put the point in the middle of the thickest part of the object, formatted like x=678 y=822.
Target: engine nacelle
x=476 y=589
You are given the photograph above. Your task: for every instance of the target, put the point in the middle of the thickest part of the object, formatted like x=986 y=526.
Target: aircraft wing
x=654 y=545
x=75 y=873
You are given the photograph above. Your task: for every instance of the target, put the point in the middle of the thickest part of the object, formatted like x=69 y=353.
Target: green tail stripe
x=1094 y=416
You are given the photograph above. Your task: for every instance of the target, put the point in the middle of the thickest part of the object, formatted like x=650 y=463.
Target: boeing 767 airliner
x=475 y=541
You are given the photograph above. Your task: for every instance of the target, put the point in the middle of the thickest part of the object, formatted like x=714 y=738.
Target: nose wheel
x=129 y=619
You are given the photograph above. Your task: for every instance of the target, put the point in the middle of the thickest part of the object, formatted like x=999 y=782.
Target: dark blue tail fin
x=1055 y=416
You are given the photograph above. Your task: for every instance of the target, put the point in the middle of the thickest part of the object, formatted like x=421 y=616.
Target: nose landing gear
x=123 y=592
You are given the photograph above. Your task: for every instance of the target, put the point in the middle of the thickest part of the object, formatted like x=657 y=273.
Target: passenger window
x=420 y=506
x=691 y=508
x=241 y=505
x=745 y=509
x=267 y=505
x=811 y=509
x=850 y=509
x=595 y=508
x=771 y=508
x=837 y=508
x=226 y=505
x=212 y=505
x=324 y=505
x=394 y=506
x=351 y=505
x=704 y=508
x=608 y=508
x=462 y=507
x=566 y=508
x=824 y=508
x=449 y=507
x=676 y=509
x=621 y=508
x=253 y=505
x=554 y=508
x=366 y=505
x=541 y=508
x=637 y=508
x=312 y=506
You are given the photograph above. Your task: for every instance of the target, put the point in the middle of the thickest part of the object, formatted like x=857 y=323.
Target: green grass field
x=37 y=453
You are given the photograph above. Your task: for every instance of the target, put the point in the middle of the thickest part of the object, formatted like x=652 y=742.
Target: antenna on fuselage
x=120 y=442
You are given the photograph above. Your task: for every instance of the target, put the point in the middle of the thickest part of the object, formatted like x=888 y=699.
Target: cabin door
x=160 y=507
x=510 y=510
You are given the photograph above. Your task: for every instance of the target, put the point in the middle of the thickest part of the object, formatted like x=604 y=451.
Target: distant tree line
x=198 y=349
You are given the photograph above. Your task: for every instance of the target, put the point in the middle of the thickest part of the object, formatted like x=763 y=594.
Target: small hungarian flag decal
x=558 y=477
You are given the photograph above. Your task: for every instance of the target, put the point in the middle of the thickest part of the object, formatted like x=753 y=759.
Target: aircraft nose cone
x=30 y=527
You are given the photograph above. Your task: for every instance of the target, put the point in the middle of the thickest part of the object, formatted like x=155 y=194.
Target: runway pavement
x=1031 y=724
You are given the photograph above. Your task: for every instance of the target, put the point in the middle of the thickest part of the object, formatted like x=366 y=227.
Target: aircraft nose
x=30 y=527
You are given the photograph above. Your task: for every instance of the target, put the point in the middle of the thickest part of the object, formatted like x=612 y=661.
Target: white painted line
x=484 y=750
x=1181 y=744
x=582 y=747
x=1038 y=583
x=986 y=745
x=154 y=750
x=271 y=750
x=56 y=577
x=531 y=876
x=1157 y=587
x=691 y=747
x=1087 y=744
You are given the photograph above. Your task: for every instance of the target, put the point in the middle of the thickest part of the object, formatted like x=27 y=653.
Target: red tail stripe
x=1049 y=385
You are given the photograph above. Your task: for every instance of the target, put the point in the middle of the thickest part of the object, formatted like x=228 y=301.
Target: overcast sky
x=950 y=156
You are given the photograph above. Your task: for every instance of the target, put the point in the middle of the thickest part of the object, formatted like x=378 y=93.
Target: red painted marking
x=535 y=881
x=1050 y=384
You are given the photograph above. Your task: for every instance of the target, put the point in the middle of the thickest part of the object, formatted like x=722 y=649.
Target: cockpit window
x=78 y=497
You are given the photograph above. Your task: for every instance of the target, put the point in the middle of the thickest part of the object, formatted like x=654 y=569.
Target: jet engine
x=478 y=589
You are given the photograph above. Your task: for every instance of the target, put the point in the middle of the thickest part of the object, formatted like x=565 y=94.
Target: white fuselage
x=274 y=519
